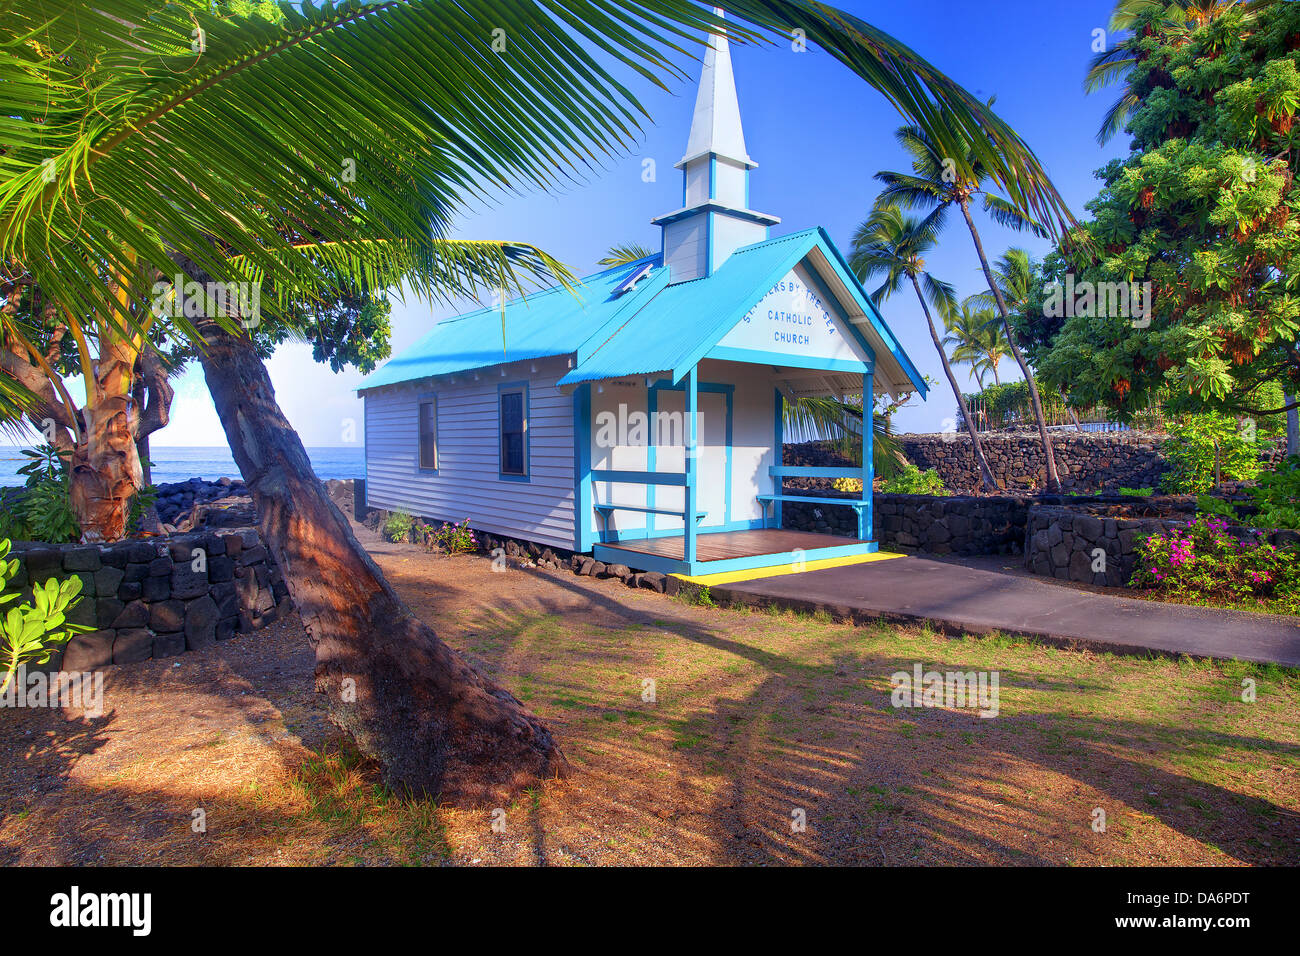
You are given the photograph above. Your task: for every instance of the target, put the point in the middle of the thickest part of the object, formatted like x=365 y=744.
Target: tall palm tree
x=894 y=245
x=941 y=179
x=1115 y=63
x=145 y=140
x=1015 y=276
x=976 y=339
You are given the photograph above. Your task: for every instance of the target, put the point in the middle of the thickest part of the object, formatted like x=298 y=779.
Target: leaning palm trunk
x=434 y=724
x=105 y=469
x=986 y=474
x=1053 y=479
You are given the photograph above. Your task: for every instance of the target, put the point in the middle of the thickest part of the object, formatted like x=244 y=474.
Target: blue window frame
x=427 y=418
x=512 y=428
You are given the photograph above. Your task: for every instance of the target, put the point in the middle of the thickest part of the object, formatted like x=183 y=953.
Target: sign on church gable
x=796 y=319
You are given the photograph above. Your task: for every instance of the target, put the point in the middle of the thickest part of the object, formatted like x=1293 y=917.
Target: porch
x=722 y=552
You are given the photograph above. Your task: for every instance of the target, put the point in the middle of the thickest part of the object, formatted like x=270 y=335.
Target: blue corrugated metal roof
x=541 y=324
x=656 y=327
x=674 y=330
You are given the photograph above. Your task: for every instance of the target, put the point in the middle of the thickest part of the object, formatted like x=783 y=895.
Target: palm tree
x=1115 y=63
x=894 y=245
x=842 y=421
x=1015 y=275
x=144 y=141
x=941 y=179
x=976 y=339
x=622 y=255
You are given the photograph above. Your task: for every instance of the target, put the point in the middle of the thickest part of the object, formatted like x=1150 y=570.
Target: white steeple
x=715 y=127
x=715 y=219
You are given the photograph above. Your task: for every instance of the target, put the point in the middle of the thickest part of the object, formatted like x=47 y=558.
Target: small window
x=514 y=433
x=429 y=434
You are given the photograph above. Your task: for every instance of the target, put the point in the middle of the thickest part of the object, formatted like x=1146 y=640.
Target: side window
x=429 y=434
x=513 y=411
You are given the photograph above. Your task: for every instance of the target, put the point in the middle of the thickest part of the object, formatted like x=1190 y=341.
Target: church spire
x=715 y=219
x=715 y=127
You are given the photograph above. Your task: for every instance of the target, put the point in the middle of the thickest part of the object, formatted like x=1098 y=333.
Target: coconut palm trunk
x=986 y=474
x=104 y=472
x=434 y=724
x=1053 y=478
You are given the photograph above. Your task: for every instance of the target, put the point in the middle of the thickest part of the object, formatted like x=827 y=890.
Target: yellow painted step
x=753 y=574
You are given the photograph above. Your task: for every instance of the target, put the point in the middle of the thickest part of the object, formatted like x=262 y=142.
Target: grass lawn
x=757 y=719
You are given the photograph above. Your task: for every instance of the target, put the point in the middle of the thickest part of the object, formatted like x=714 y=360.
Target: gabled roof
x=655 y=327
x=678 y=326
x=547 y=323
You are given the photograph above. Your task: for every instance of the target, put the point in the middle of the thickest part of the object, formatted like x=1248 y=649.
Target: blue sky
x=819 y=134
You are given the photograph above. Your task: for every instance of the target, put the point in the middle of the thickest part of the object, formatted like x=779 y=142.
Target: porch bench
x=856 y=504
x=606 y=510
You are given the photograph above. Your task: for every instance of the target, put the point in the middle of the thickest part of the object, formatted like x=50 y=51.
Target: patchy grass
x=695 y=735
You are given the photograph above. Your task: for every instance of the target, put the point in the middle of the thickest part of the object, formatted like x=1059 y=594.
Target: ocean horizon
x=173 y=463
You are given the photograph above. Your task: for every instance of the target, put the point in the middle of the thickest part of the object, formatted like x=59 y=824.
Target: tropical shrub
x=1200 y=562
x=41 y=511
x=1191 y=453
x=1277 y=495
x=453 y=538
x=398 y=526
x=29 y=630
x=913 y=481
x=853 y=485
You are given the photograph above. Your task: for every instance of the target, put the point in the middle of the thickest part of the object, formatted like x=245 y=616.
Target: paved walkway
x=971 y=600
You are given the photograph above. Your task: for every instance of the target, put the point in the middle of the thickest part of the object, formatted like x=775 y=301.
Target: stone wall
x=992 y=525
x=1089 y=461
x=1062 y=542
x=157 y=597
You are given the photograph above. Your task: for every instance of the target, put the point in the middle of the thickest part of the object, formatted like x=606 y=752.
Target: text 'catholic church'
x=639 y=418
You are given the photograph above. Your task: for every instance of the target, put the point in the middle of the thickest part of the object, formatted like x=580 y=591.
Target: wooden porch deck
x=726 y=545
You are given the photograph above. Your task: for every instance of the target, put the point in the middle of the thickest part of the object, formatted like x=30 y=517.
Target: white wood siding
x=468 y=484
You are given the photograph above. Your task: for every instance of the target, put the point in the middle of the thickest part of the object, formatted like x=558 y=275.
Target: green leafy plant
x=398 y=525
x=47 y=513
x=1202 y=563
x=1137 y=492
x=1200 y=441
x=12 y=523
x=913 y=481
x=45 y=463
x=30 y=629
x=1277 y=495
x=1210 y=505
x=452 y=538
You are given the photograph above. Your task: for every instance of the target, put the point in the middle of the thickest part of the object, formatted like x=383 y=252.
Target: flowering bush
x=1201 y=562
x=452 y=538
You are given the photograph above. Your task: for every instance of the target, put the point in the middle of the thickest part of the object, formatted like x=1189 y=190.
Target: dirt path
x=697 y=735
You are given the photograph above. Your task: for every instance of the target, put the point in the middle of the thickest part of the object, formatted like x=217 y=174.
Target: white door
x=711 y=480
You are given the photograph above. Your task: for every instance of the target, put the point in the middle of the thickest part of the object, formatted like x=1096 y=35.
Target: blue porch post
x=778 y=457
x=868 y=466
x=692 y=471
x=582 y=513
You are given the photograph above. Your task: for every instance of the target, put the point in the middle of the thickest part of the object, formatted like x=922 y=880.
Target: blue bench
x=606 y=510
x=855 y=503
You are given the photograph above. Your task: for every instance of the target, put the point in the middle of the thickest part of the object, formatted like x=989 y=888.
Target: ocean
x=172 y=464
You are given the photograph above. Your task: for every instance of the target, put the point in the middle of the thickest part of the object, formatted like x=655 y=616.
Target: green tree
x=942 y=178
x=893 y=245
x=976 y=338
x=1198 y=223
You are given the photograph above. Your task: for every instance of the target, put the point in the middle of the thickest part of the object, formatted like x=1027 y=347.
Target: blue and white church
x=639 y=418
